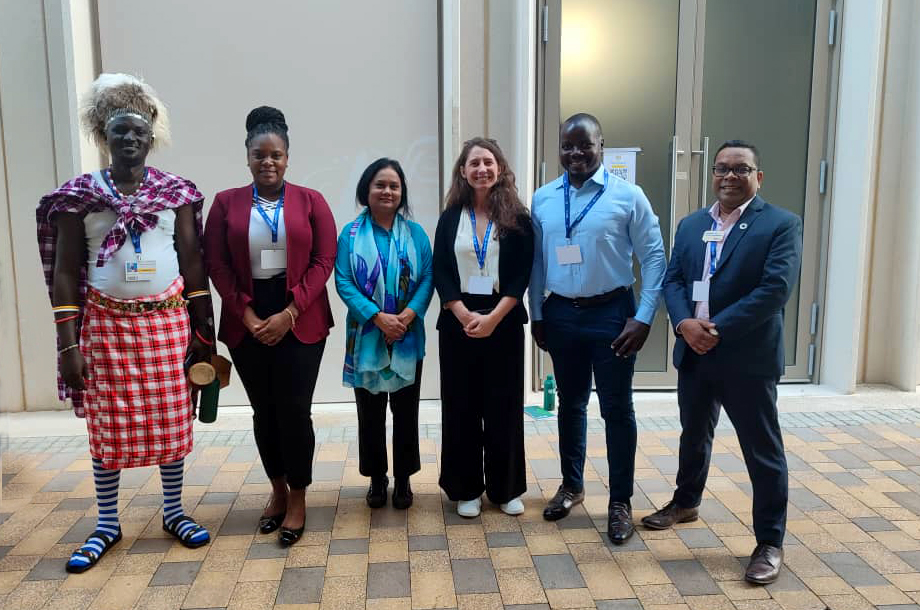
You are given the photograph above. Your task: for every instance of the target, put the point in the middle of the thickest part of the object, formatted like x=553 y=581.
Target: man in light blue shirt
x=588 y=225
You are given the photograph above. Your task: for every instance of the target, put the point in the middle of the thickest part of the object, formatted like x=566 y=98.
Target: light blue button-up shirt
x=620 y=223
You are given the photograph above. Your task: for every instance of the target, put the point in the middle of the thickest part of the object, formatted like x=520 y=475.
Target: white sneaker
x=514 y=507
x=469 y=508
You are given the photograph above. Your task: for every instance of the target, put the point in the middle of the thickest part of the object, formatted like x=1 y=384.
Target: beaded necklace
x=118 y=194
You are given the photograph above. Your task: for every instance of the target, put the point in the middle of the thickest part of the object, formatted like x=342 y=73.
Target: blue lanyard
x=480 y=254
x=272 y=223
x=569 y=226
x=712 y=252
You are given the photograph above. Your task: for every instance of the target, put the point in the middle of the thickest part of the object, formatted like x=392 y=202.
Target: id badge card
x=481 y=284
x=140 y=271
x=569 y=254
x=700 y=291
x=274 y=259
x=716 y=236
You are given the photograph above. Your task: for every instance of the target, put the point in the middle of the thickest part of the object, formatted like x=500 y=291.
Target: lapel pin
x=742 y=226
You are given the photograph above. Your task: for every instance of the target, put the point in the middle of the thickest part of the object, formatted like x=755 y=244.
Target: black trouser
x=372 y=423
x=279 y=381
x=750 y=402
x=482 y=412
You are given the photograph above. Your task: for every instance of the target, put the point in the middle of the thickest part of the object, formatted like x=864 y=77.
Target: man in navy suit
x=732 y=269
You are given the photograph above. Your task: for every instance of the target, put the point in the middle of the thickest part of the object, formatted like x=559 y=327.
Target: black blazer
x=755 y=276
x=515 y=260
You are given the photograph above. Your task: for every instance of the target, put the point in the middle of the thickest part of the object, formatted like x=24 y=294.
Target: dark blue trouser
x=750 y=402
x=578 y=340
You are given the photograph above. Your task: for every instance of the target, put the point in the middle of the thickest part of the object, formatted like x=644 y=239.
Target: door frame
x=690 y=159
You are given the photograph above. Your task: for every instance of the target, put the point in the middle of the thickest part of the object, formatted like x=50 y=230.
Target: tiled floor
x=853 y=541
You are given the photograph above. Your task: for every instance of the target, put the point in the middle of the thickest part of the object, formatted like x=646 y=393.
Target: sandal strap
x=97 y=537
x=176 y=527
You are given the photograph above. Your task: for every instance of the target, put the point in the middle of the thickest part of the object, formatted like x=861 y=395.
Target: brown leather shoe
x=766 y=561
x=668 y=515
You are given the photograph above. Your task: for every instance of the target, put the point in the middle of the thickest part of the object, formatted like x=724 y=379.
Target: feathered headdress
x=115 y=95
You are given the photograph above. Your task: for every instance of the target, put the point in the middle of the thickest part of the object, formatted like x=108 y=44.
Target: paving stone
x=58 y=461
x=907 y=499
x=690 y=577
x=73 y=504
x=65 y=481
x=619 y=604
x=806 y=500
x=328 y=471
x=713 y=511
x=545 y=468
x=576 y=522
x=844 y=479
x=4 y=550
x=558 y=572
x=320 y=518
x=875 y=524
x=430 y=542
x=389 y=517
x=146 y=500
x=301 y=586
x=175 y=573
x=807 y=434
x=634 y=543
x=255 y=476
x=700 y=538
x=787 y=581
x=240 y=522
x=852 y=569
x=845 y=459
x=666 y=464
x=474 y=576
x=901 y=455
x=351 y=546
x=267 y=550
x=727 y=462
x=151 y=545
x=79 y=530
x=389 y=579
x=912 y=558
x=504 y=539
x=218 y=497
x=132 y=478
x=201 y=475
x=47 y=569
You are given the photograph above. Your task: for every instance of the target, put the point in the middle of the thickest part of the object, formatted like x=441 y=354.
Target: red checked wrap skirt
x=137 y=400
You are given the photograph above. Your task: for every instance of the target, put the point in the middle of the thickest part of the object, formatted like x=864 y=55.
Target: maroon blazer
x=311 y=242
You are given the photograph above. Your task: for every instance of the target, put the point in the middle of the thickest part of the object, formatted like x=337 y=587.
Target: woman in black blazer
x=483 y=252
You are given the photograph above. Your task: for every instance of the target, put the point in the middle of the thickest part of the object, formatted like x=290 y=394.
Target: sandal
x=185 y=530
x=99 y=539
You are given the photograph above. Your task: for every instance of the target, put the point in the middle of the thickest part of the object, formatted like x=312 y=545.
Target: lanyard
x=712 y=252
x=272 y=223
x=480 y=254
x=569 y=226
x=107 y=177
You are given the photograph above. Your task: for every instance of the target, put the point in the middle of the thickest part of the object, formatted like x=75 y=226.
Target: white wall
x=357 y=80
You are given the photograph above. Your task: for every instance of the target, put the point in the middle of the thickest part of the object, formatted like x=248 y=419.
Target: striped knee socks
x=172 y=476
x=107 y=501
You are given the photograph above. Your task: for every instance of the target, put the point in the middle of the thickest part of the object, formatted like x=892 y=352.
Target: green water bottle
x=549 y=393
x=207 y=406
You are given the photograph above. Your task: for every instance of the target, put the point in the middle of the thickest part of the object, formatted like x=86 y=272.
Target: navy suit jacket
x=754 y=278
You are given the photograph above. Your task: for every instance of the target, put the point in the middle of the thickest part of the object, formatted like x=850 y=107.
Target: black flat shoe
x=289 y=536
x=377 y=492
x=269 y=524
x=402 y=495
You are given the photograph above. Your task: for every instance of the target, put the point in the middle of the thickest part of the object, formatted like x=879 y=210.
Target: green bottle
x=549 y=393
x=207 y=407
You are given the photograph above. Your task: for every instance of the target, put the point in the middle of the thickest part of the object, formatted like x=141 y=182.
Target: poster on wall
x=621 y=162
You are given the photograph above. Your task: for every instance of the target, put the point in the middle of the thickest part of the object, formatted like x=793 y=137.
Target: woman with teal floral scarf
x=383 y=275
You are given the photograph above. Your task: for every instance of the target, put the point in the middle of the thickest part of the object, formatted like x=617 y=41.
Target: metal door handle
x=704 y=171
x=674 y=152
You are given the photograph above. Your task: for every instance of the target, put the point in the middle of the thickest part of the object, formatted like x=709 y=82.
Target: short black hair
x=266 y=119
x=740 y=144
x=364 y=183
x=582 y=117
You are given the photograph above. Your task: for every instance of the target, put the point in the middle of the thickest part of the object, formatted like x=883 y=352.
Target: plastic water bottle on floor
x=549 y=393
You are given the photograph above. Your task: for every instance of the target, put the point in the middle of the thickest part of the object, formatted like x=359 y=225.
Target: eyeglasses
x=742 y=171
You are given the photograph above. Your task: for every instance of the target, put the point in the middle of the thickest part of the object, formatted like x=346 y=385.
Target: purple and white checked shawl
x=160 y=191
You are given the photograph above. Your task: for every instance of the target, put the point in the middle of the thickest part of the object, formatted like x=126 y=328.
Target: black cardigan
x=515 y=260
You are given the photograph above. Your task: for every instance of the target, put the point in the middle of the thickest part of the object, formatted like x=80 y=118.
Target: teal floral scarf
x=390 y=280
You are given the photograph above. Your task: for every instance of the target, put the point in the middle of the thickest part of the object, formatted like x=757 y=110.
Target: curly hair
x=506 y=210
x=113 y=95
x=266 y=119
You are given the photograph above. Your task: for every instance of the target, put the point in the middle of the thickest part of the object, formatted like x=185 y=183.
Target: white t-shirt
x=467 y=263
x=260 y=238
x=156 y=245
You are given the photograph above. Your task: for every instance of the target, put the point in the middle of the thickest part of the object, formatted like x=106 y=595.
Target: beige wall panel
x=356 y=79
x=30 y=165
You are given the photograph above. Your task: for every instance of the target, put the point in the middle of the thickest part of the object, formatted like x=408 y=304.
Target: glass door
x=630 y=63
x=670 y=80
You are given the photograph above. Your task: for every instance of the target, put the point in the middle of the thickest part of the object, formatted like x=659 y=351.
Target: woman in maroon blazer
x=270 y=247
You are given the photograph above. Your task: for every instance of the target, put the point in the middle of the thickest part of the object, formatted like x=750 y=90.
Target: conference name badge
x=700 y=291
x=569 y=254
x=274 y=259
x=480 y=284
x=140 y=271
x=715 y=236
